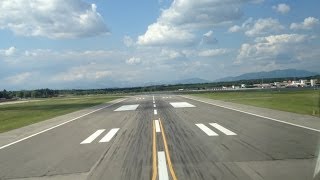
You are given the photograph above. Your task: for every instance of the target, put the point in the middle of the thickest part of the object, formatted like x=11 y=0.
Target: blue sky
x=101 y=43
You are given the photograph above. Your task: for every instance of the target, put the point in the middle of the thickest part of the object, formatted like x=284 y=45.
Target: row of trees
x=47 y=93
x=39 y=93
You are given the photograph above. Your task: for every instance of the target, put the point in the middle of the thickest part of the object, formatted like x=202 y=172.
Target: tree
x=4 y=94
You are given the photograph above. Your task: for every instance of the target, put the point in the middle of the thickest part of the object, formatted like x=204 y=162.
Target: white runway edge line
x=207 y=130
x=110 y=134
x=223 y=129
x=162 y=166
x=277 y=120
x=155 y=112
x=157 y=125
x=93 y=136
x=7 y=145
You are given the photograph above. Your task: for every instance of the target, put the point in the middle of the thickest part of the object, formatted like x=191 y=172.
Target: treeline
x=39 y=93
x=47 y=93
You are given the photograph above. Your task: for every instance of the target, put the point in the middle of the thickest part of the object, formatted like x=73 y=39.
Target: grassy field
x=302 y=102
x=18 y=115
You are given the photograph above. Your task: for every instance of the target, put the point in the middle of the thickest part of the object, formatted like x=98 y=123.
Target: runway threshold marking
x=53 y=127
x=93 y=136
x=109 y=135
x=206 y=130
x=173 y=174
x=257 y=115
x=222 y=129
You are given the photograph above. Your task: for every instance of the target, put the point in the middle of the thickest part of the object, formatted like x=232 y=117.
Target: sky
x=80 y=44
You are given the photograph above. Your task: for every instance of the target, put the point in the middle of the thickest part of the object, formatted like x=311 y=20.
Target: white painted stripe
x=93 y=136
x=48 y=129
x=155 y=112
x=205 y=129
x=162 y=166
x=181 y=104
x=272 y=119
x=154 y=105
x=109 y=135
x=127 y=107
x=223 y=129
x=157 y=125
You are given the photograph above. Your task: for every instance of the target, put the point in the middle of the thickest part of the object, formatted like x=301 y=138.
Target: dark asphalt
x=262 y=149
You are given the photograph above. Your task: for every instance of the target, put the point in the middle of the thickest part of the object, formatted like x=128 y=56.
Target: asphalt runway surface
x=165 y=137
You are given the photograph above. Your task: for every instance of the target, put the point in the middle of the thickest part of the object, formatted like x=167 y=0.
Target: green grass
x=18 y=115
x=302 y=102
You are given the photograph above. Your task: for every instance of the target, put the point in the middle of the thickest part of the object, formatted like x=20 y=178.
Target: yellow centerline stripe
x=154 y=152
x=174 y=177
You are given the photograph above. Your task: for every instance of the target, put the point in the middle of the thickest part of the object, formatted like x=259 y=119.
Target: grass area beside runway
x=302 y=101
x=14 y=116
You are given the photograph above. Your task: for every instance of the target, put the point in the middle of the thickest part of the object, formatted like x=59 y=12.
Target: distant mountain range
x=247 y=76
x=270 y=74
x=191 y=81
x=182 y=81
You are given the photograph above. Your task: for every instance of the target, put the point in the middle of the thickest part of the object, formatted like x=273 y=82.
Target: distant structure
x=313 y=82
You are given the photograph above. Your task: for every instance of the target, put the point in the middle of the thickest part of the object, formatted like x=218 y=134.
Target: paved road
x=165 y=137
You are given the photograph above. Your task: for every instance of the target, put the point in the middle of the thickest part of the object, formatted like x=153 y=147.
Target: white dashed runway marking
x=206 y=130
x=181 y=104
x=96 y=134
x=223 y=129
x=110 y=134
x=217 y=126
x=128 y=107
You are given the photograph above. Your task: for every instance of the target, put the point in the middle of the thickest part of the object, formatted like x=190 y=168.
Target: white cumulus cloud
x=259 y=27
x=8 y=52
x=281 y=8
x=54 y=19
x=128 y=41
x=307 y=24
x=18 y=78
x=82 y=73
x=212 y=52
x=177 y=24
x=133 y=60
x=274 y=47
x=208 y=38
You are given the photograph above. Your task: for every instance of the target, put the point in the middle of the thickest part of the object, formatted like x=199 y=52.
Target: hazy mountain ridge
x=270 y=74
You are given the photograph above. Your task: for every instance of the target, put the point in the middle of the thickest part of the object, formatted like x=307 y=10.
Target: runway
x=162 y=137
